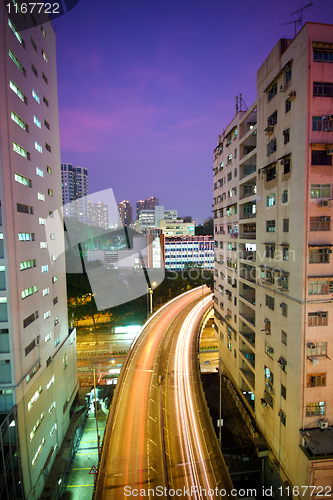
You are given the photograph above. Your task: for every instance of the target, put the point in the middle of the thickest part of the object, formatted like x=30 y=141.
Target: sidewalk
x=69 y=477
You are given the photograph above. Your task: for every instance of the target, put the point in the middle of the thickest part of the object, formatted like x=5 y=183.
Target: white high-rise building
x=273 y=259
x=75 y=192
x=38 y=371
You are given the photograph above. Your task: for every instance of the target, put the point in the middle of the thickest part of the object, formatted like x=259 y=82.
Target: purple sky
x=145 y=87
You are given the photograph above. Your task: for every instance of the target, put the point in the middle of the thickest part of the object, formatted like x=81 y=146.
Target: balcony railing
x=248 y=216
x=247 y=255
x=250 y=318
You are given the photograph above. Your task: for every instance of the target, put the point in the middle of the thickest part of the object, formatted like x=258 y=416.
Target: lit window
x=39 y=449
x=45 y=268
x=48 y=337
x=15 y=31
x=27 y=264
x=17 y=91
x=34 y=398
x=44 y=56
x=320 y=190
x=35 y=96
x=315 y=409
x=21 y=151
x=22 y=180
x=53 y=405
x=19 y=121
x=16 y=61
x=41 y=196
x=50 y=192
x=47 y=314
x=50 y=382
x=39 y=172
x=46 y=291
x=37 y=122
x=38 y=147
x=49 y=170
x=271 y=200
x=43 y=244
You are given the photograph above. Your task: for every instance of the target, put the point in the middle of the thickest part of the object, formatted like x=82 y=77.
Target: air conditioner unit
x=292 y=95
x=281 y=414
x=284 y=162
x=269 y=130
x=270 y=349
x=311 y=346
x=322 y=424
x=324 y=203
x=282 y=361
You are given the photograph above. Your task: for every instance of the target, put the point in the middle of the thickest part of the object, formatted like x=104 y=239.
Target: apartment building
x=38 y=374
x=149 y=219
x=74 y=192
x=273 y=257
x=125 y=213
x=189 y=251
x=98 y=214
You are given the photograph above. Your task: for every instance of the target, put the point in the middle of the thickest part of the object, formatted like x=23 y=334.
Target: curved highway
x=160 y=441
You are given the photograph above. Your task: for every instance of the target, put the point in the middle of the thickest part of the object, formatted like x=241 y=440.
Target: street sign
x=93 y=470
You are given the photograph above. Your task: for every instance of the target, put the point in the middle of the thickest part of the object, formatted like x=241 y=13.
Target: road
x=159 y=438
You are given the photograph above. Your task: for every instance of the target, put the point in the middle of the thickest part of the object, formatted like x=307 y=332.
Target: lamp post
x=150 y=297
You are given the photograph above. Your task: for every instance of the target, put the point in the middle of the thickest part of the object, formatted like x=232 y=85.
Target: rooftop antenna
x=300 y=15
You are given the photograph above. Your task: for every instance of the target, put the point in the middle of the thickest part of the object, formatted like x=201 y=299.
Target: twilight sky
x=145 y=87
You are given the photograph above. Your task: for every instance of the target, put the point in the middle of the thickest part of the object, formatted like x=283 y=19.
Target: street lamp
x=98 y=436
x=150 y=295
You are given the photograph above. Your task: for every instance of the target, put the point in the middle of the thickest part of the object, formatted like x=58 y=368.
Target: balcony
x=248 y=375
x=248 y=273
x=247 y=255
x=247 y=170
x=248 y=211
x=247 y=313
x=248 y=189
x=248 y=293
x=248 y=333
x=248 y=354
x=248 y=231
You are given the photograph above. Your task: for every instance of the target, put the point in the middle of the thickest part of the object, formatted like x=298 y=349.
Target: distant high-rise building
x=98 y=214
x=148 y=204
x=38 y=366
x=125 y=211
x=149 y=219
x=75 y=191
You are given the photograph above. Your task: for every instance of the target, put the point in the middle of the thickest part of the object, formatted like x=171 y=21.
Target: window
x=285 y=253
x=286 y=225
x=270 y=251
x=39 y=449
x=47 y=125
x=229 y=177
x=269 y=350
x=45 y=101
x=286 y=135
x=41 y=196
x=320 y=157
x=48 y=147
x=16 y=61
x=271 y=121
x=318 y=319
x=45 y=268
x=34 y=70
x=41 y=221
x=288 y=105
x=315 y=409
x=320 y=223
x=27 y=264
x=319 y=256
x=53 y=405
x=44 y=56
x=44 y=77
x=38 y=147
x=318 y=287
x=270 y=226
x=31 y=346
x=322 y=55
x=284 y=338
x=29 y=291
x=64 y=361
x=33 y=371
x=286 y=166
x=30 y=319
x=272 y=93
x=43 y=244
x=268 y=326
x=39 y=172
x=55 y=301
x=271 y=200
x=46 y=291
x=317 y=349
x=19 y=121
x=271 y=147
x=316 y=380
x=270 y=302
x=271 y=174
x=35 y=427
x=22 y=180
x=54 y=279
x=16 y=32
x=24 y=209
x=322 y=89
x=284 y=309
x=34 y=398
x=320 y=190
x=33 y=44
x=285 y=196
x=26 y=236
x=17 y=91
x=321 y=124
x=47 y=337
x=283 y=391
x=47 y=314
x=35 y=96
x=21 y=151
x=49 y=170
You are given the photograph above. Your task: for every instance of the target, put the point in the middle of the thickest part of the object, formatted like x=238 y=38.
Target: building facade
x=98 y=214
x=173 y=228
x=38 y=374
x=148 y=204
x=273 y=265
x=189 y=251
x=149 y=219
x=75 y=192
x=125 y=212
